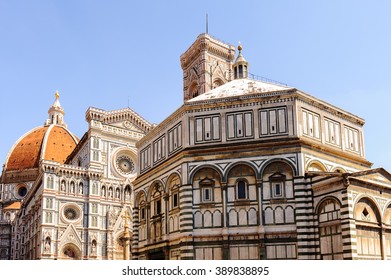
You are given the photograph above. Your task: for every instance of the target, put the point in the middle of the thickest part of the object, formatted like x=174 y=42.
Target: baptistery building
x=245 y=168
x=253 y=169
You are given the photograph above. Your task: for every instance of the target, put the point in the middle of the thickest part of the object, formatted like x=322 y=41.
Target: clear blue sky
x=100 y=53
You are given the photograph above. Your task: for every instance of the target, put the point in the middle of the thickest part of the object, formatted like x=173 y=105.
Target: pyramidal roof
x=239 y=87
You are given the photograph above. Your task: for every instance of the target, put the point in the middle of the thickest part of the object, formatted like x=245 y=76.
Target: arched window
x=316 y=166
x=174 y=191
x=94 y=208
x=241 y=183
x=103 y=191
x=95 y=188
x=277 y=181
x=217 y=83
x=330 y=233
x=157 y=203
x=241 y=187
x=368 y=229
x=193 y=90
x=96 y=143
x=49 y=182
x=142 y=211
x=206 y=187
x=175 y=197
x=156 y=200
x=49 y=203
x=48 y=217
x=94 y=221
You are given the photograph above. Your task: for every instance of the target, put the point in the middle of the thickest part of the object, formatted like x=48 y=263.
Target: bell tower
x=206 y=65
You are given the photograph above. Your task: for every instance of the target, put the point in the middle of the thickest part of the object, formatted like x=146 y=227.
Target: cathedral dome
x=48 y=142
x=53 y=141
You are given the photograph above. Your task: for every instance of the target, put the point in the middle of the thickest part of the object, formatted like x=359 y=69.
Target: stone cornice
x=70 y=170
x=334 y=152
x=334 y=110
x=107 y=117
x=213 y=151
x=162 y=127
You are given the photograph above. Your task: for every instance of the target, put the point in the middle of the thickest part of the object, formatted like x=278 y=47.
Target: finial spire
x=57 y=94
x=207 y=24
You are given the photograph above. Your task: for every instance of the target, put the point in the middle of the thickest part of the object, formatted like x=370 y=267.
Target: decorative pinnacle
x=126 y=225
x=126 y=217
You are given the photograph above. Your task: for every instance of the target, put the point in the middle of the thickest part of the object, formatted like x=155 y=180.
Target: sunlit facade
x=244 y=169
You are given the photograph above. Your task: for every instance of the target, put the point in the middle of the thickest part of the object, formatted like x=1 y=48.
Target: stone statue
x=47 y=245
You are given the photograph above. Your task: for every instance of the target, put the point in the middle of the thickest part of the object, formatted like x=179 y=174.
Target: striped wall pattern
x=348 y=226
x=306 y=221
x=186 y=221
x=135 y=237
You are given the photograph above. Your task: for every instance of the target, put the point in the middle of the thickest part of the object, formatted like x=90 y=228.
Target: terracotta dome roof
x=52 y=142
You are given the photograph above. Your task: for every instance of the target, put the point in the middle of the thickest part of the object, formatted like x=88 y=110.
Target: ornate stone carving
x=381 y=202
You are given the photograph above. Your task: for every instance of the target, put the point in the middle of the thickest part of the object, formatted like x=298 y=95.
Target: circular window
x=124 y=164
x=22 y=191
x=71 y=213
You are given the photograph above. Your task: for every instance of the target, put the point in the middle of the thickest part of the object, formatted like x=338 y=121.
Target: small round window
x=22 y=191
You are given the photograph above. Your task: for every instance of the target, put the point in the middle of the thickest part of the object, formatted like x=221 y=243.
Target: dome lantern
x=240 y=66
x=56 y=112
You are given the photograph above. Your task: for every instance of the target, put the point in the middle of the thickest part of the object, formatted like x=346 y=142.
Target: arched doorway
x=119 y=247
x=70 y=252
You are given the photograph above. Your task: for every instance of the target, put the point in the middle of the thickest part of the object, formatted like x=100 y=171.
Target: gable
x=374 y=176
x=127 y=124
